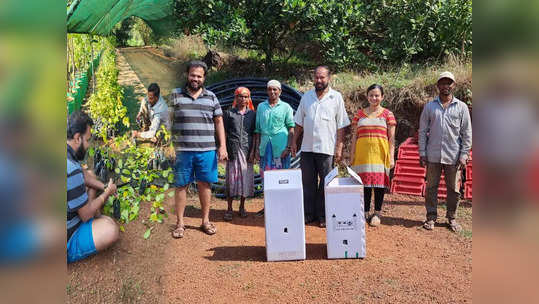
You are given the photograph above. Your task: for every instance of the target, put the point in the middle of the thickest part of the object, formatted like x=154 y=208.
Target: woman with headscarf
x=274 y=131
x=239 y=124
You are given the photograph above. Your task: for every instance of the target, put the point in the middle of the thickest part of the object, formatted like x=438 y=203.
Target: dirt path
x=404 y=264
x=151 y=67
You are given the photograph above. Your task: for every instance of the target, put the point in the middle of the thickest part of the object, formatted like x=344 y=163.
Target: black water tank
x=224 y=91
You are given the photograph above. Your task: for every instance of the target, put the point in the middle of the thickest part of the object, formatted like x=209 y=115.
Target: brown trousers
x=452 y=180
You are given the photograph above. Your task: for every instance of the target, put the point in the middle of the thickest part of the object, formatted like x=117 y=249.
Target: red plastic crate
x=408 y=184
x=409 y=178
x=408 y=152
x=468 y=190
x=406 y=188
x=469 y=171
x=410 y=141
x=409 y=167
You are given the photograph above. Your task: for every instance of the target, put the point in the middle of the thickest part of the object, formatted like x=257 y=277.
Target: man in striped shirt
x=198 y=119
x=87 y=231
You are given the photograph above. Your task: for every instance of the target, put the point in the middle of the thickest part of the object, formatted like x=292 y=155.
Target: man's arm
x=288 y=148
x=154 y=126
x=466 y=137
x=142 y=108
x=91 y=181
x=220 y=129
x=424 y=123
x=339 y=145
x=88 y=211
x=298 y=130
x=342 y=122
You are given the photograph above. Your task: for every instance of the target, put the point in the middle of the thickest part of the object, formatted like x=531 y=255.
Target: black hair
x=78 y=122
x=375 y=86
x=325 y=67
x=197 y=64
x=154 y=87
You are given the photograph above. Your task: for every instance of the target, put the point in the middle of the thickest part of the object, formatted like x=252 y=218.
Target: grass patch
x=466 y=233
x=186 y=48
x=130 y=291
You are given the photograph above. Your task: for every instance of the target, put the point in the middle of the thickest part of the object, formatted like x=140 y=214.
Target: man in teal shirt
x=274 y=131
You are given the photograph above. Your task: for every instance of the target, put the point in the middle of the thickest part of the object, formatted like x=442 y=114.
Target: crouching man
x=88 y=232
x=153 y=109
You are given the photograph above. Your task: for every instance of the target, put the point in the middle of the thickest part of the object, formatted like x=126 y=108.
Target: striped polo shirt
x=76 y=192
x=193 y=128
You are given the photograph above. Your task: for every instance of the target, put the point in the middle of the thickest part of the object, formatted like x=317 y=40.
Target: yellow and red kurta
x=372 y=158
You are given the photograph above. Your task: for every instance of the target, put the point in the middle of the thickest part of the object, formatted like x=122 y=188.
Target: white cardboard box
x=283 y=215
x=345 y=219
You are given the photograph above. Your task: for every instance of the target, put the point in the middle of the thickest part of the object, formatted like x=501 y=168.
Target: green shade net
x=100 y=16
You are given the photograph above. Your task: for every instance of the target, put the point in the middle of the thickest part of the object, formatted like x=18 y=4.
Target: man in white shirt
x=154 y=109
x=321 y=117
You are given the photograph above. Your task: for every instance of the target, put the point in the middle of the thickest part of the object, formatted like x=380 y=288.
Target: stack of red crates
x=409 y=176
x=468 y=183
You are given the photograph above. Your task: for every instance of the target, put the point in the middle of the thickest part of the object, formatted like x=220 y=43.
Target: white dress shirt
x=320 y=120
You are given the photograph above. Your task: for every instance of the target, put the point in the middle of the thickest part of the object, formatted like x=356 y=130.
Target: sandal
x=454 y=226
x=178 y=232
x=243 y=213
x=228 y=216
x=429 y=225
x=208 y=228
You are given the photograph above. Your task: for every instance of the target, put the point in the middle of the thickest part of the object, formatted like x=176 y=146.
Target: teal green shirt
x=273 y=123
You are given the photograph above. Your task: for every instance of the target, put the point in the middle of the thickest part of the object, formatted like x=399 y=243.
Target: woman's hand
x=257 y=155
x=251 y=157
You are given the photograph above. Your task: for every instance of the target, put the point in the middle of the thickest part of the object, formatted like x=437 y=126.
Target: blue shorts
x=18 y=241
x=81 y=244
x=191 y=165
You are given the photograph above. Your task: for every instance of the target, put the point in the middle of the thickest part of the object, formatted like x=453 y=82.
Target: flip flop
x=178 y=232
x=208 y=228
x=429 y=225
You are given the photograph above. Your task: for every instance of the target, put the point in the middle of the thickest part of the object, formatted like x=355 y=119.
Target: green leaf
x=171 y=194
x=125 y=214
x=147 y=233
x=165 y=187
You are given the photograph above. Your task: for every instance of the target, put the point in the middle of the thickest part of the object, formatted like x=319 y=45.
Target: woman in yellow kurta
x=373 y=150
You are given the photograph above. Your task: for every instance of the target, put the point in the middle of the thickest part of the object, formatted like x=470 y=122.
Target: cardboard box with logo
x=345 y=219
